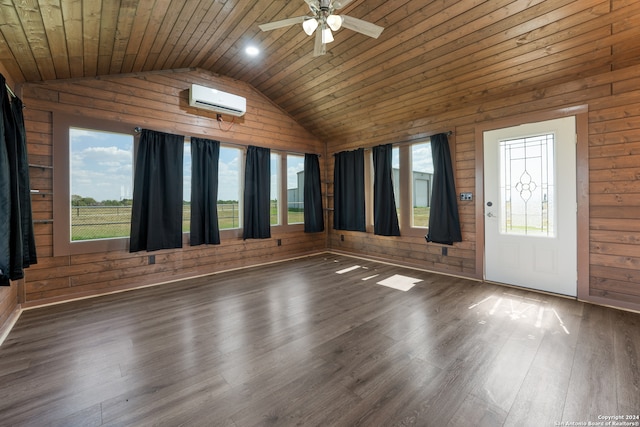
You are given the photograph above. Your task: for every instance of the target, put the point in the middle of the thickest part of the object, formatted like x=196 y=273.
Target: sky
x=420 y=156
x=102 y=167
x=101 y=164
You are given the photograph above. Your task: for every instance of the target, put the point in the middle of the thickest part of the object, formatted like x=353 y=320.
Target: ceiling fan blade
x=360 y=26
x=284 y=23
x=340 y=4
x=319 y=48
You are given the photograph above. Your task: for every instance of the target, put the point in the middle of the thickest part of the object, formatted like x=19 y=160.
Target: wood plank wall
x=159 y=101
x=613 y=99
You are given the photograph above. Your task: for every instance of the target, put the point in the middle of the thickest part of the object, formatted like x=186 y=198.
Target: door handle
x=490 y=215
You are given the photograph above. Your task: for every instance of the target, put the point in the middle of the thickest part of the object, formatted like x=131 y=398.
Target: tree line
x=77 y=200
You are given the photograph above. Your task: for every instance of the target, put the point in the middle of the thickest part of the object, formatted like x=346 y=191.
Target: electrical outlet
x=152 y=259
x=466 y=196
x=279 y=242
x=342 y=237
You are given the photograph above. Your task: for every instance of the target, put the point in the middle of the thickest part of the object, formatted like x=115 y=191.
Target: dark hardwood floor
x=296 y=343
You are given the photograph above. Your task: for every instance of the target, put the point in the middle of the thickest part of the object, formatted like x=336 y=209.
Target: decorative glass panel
x=527 y=191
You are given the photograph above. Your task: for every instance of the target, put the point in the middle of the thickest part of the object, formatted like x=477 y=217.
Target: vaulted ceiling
x=432 y=57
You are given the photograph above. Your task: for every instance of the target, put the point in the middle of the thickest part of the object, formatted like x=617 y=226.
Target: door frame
x=581 y=113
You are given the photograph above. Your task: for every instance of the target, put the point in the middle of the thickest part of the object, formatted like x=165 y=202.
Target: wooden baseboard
x=9 y=323
x=402 y=264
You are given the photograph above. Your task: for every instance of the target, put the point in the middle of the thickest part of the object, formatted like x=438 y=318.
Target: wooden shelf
x=43 y=221
x=40 y=166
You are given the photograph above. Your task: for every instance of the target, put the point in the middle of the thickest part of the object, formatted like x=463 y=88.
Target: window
x=395 y=167
x=275 y=189
x=412 y=166
x=92 y=207
x=101 y=181
x=92 y=203
x=295 y=189
x=229 y=173
x=421 y=178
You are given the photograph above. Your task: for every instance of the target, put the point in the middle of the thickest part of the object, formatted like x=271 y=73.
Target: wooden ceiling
x=433 y=56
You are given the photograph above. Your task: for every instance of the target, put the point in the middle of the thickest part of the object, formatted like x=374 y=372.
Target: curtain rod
x=138 y=129
x=10 y=91
x=417 y=138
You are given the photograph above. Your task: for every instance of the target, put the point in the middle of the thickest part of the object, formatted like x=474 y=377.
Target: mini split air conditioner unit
x=218 y=101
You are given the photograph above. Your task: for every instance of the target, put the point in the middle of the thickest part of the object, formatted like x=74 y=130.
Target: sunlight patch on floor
x=348 y=269
x=397 y=281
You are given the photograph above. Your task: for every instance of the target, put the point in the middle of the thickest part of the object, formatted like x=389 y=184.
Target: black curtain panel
x=29 y=256
x=348 y=191
x=205 y=154
x=156 y=214
x=385 y=215
x=444 y=220
x=5 y=197
x=313 y=215
x=257 y=192
x=17 y=242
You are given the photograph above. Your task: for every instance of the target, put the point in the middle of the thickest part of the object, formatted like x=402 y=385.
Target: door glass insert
x=527 y=191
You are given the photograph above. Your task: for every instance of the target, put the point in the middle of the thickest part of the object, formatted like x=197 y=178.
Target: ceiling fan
x=323 y=19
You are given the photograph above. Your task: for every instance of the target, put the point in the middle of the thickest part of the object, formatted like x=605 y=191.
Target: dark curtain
x=348 y=191
x=205 y=154
x=385 y=215
x=17 y=241
x=444 y=221
x=313 y=216
x=156 y=214
x=257 y=192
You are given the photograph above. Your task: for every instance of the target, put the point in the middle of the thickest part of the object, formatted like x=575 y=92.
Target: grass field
x=105 y=222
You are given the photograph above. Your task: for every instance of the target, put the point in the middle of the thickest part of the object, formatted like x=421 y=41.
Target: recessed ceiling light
x=252 y=51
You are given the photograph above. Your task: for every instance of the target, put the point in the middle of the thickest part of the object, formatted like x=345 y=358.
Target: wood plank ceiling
x=433 y=56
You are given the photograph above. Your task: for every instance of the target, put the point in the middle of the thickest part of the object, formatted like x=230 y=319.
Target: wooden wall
x=159 y=101
x=613 y=157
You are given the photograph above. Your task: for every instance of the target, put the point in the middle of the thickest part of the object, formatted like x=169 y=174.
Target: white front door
x=531 y=207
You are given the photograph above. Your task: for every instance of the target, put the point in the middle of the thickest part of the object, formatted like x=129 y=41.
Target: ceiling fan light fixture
x=327 y=37
x=334 y=22
x=309 y=26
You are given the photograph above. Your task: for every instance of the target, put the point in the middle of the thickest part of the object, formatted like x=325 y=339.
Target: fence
x=104 y=222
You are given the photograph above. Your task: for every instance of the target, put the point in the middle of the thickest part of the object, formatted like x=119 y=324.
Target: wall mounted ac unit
x=215 y=100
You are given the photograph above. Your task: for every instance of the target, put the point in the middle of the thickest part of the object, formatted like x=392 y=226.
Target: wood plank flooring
x=296 y=343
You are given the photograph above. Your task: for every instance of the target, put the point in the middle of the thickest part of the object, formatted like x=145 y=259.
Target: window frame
x=278 y=173
x=230 y=233
x=283 y=203
x=286 y=178
x=405 y=187
x=62 y=244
